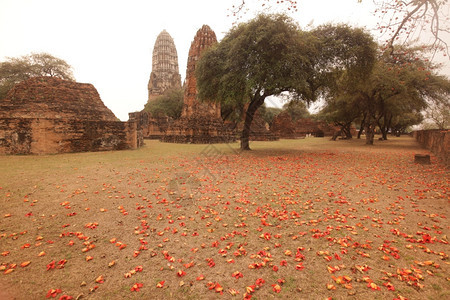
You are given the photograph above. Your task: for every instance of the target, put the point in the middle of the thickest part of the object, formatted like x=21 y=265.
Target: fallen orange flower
x=276 y=288
x=25 y=263
x=136 y=287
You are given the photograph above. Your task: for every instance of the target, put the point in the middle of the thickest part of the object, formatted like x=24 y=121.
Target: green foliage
x=269 y=113
x=170 y=104
x=297 y=110
x=266 y=56
x=15 y=70
x=391 y=96
x=346 y=56
x=270 y=55
x=262 y=57
x=401 y=123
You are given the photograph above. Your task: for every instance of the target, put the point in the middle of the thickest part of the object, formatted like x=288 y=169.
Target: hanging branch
x=409 y=20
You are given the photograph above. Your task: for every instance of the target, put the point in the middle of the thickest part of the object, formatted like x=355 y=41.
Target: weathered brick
x=45 y=115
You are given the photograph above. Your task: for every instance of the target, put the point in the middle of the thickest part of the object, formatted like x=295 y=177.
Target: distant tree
x=342 y=111
x=393 y=95
x=15 y=70
x=169 y=104
x=438 y=114
x=410 y=81
x=297 y=110
x=402 y=123
x=269 y=113
x=270 y=55
x=348 y=55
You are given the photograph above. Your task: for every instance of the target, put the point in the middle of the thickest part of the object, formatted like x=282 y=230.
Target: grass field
x=298 y=219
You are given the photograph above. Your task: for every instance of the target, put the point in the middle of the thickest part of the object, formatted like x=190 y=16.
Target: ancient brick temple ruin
x=45 y=115
x=165 y=74
x=200 y=122
x=163 y=77
x=151 y=127
x=285 y=127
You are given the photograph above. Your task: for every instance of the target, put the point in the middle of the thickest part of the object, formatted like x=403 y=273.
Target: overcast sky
x=109 y=43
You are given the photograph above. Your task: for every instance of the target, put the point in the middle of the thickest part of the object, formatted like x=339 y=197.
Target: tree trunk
x=384 y=128
x=257 y=101
x=336 y=134
x=388 y=126
x=347 y=131
x=362 y=126
x=383 y=132
x=370 y=131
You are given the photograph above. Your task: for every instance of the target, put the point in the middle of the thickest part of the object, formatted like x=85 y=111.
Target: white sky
x=109 y=43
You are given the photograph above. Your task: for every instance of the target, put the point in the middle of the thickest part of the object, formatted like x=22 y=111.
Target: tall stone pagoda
x=200 y=122
x=165 y=74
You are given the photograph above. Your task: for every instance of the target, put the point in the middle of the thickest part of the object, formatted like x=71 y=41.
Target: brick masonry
x=285 y=127
x=200 y=122
x=437 y=141
x=46 y=115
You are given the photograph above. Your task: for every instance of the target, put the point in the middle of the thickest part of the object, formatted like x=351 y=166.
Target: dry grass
x=317 y=210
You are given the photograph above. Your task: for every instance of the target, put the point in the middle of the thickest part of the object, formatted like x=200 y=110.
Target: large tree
x=403 y=84
x=270 y=55
x=15 y=70
x=393 y=95
x=263 y=57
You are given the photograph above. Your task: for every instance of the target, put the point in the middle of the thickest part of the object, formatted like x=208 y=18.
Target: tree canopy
x=169 y=104
x=257 y=59
x=15 y=70
x=297 y=110
x=400 y=22
x=270 y=55
x=393 y=95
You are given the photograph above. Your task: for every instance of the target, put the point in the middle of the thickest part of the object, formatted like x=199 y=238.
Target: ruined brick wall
x=200 y=122
x=150 y=126
x=437 y=141
x=198 y=129
x=204 y=38
x=48 y=97
x=51 y=136
x=285 y=127
x=46 y=115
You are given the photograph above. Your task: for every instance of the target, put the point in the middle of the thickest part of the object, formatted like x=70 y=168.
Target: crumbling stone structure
x=437 y=141
x=45 y=115
x=151 y=127
x=165 y=74
x=200 y=122
x=285 y=127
